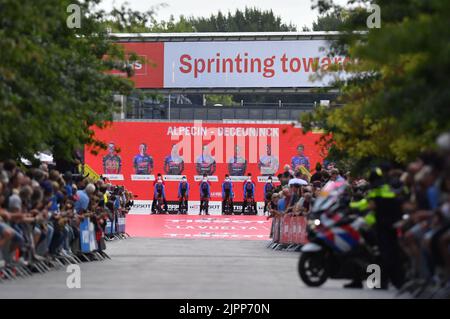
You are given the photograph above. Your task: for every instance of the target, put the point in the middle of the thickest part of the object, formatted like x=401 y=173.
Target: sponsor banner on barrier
x=88 y=242
x=121 y=224
x=290 y=230
x=108 y=227
x=143 y=207
x=135 y=177
x=284 y=229
x=182 y=226
x=276 y=227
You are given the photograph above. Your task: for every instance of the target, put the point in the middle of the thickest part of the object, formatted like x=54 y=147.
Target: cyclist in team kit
x=205 y=195
x=183 y=196
x=268 y=191
x=227 y=195
x=249 y=194
x=159 y=195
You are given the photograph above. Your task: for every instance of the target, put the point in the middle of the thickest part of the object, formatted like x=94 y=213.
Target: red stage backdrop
x=176 y=148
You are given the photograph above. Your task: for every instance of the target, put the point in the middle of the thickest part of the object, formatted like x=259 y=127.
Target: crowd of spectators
x=297 y=190
x=41 y=210
x=416 y=220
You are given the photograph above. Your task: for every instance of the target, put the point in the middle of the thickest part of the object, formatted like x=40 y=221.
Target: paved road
x=185 y=268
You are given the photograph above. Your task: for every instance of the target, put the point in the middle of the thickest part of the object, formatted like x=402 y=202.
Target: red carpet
x=203 y=227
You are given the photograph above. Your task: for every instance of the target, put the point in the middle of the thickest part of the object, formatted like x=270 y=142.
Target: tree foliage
x=224 y=99
x=54 y=84
x=397 y=100
x=330 y=21
x=248 y=20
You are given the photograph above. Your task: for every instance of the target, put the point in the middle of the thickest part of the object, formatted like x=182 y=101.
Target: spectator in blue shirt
x=82 y=202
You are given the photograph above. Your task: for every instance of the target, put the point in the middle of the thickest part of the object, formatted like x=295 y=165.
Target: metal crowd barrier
x=115 y=229
x=87 y=248
x=288 y=233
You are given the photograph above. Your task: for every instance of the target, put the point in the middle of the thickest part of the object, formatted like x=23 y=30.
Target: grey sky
x=298 y=12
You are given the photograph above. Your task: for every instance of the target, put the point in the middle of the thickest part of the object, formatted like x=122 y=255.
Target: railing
x=198 y=112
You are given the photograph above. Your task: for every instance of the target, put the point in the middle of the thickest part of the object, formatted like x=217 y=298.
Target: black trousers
x=266 y=205
x=244 y=205
x=204 y=205
x=180 y=203
x=391 y=264
x=225 y=200
x=154 y=203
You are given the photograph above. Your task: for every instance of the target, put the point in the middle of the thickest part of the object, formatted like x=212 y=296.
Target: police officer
x=387 y=208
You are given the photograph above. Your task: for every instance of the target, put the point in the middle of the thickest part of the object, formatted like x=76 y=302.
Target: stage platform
x=199 y=227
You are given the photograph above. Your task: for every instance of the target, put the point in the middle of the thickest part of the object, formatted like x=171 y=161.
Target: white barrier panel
x=143 y=207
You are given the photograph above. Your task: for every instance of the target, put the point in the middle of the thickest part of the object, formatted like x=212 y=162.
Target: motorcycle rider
x=249 y=193
x=359 y=206
x=183 y=193
x=205 y=194
x=227 y=193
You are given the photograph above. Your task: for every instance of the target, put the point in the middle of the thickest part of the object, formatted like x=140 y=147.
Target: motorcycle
x=338 y=245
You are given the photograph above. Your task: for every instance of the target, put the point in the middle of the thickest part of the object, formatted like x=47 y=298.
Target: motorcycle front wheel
x=312 y=268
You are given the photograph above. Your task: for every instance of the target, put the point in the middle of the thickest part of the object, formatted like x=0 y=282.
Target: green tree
x=331 y=21
x=248 y=20
x=396 y=101
x=54 y=80
x=125 y=19
x=328 y=22
x=224 y=99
